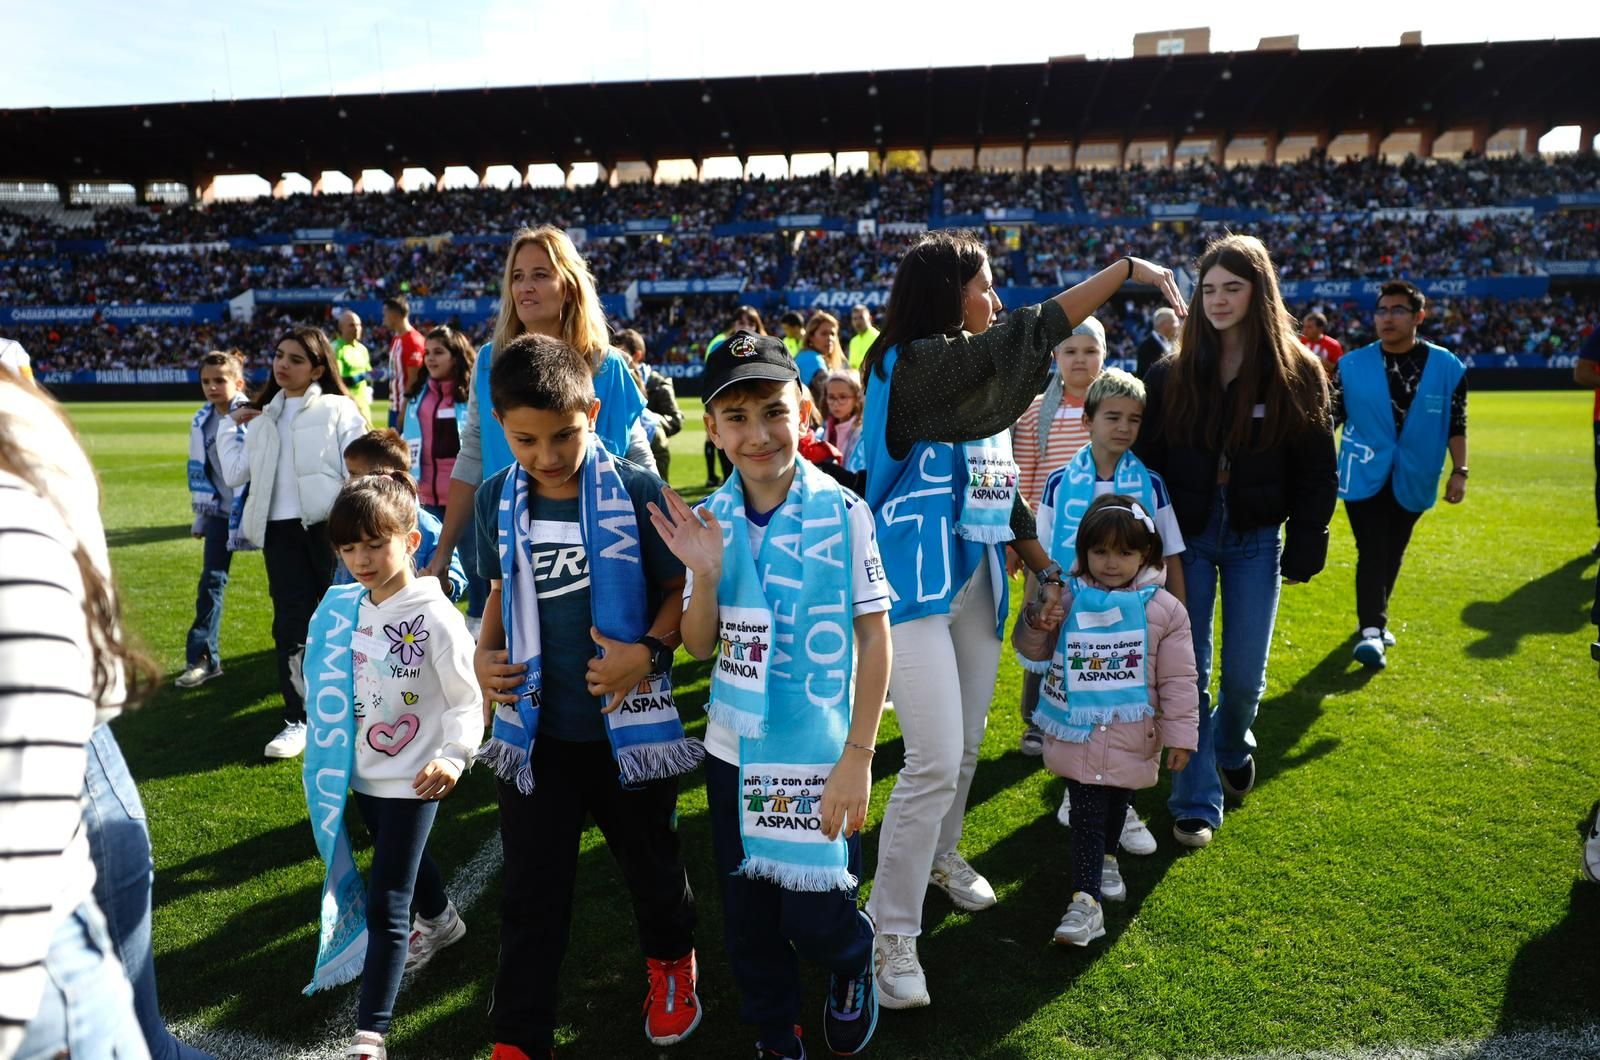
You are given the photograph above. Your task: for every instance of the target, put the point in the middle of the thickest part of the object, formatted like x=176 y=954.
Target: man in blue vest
x=1403 y=405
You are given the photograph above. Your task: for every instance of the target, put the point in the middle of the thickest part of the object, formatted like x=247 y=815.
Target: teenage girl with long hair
x=1237 y=422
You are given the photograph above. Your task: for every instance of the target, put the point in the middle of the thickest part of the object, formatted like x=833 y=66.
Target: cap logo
x=742 y=346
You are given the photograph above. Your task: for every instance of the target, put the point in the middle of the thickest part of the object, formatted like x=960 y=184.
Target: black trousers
x=1097 y=816
x=300 y=565
x=1597 y=471
x=770 y=930
x=540 y=833
x=1382 y=530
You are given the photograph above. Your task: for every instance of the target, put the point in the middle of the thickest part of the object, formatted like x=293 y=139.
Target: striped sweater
x=46 y=714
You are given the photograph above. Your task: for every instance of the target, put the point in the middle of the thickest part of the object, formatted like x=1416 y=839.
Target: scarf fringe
x=1059 y=729
x=656 y=761
x=1033 y=666
x=1116 y=715
x=792 y=877
x=348 y=970
x=742 y=722
x=509 y=762
x=988 y=535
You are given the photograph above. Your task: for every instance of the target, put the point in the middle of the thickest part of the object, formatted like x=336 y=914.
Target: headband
x=1136 y=510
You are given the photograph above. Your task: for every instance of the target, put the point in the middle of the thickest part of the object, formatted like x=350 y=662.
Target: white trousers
x=942 y=683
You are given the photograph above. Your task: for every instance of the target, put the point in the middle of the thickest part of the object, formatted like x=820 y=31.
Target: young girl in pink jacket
x=1120 y=686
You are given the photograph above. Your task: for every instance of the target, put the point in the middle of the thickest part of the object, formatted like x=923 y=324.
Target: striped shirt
x=1068 y=434
x=46 y=714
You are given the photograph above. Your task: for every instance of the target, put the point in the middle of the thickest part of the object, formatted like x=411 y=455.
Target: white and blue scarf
x=647 y=737
x=991 y=489
x=203 y=495
x=1073 y=496
x=781 y=676
x=330 y=764
x=1099 y=672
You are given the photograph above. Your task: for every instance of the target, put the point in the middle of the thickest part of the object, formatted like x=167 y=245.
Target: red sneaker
x=671 y=1009
x=511 y=1052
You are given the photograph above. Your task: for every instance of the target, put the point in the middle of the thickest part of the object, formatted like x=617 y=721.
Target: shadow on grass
x=146 y=535
x=1285 y=718
x=1551 y=603
x=1555 y=978
x=182 y=732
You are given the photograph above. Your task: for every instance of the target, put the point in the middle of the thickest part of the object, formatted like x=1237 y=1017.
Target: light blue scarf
x=1098 y=674
x=646 y=734
x=203 y=496
x=329 y=765
x=781 y=677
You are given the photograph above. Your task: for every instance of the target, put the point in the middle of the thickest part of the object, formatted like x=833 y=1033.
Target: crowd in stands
x=1333 y=249
x=1353 y=245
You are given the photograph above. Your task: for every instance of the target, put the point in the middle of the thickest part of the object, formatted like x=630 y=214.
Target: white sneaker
x=901 y=983
x=290 y=743
x=1136 y=838
x=961 y=882
x=1112 y=889
x=474 y=625
x=428 y=937
x=366 y=1045
x=1083 y=923
x=1388 y=638
x=195 y=676
x=1064 y=813
x=1369 y=652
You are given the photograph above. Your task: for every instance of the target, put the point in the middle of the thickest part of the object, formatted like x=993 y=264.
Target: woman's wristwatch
x=1051 y=575
x=1462 y=471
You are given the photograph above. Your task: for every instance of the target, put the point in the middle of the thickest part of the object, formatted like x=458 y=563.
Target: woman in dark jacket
x=1237 y=422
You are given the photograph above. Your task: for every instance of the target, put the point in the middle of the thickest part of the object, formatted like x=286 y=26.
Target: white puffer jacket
x=325 y=425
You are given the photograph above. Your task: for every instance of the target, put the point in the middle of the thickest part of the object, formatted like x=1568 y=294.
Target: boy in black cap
x=788 y=762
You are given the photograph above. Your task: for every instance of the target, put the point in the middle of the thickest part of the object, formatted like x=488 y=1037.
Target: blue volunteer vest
x=916 y=503
x=1371 y=452
x=621 y=405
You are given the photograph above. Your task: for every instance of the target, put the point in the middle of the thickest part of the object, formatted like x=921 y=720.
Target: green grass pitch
x=1404 y=873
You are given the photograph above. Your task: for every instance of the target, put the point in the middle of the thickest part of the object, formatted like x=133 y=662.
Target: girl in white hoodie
x=288 y=444
x=418 y=721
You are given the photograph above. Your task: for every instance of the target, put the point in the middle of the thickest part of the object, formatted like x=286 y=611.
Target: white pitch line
x=465 y=888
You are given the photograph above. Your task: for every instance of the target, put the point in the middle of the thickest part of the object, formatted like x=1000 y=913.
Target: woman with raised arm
x=943 y=389
x=1237 y=422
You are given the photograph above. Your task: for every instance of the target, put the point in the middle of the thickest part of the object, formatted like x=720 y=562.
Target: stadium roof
x=1540 y=84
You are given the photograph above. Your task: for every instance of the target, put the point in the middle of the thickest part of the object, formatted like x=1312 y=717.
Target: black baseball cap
x=745 y=356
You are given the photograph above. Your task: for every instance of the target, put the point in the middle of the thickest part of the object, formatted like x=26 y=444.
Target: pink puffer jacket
x=1128 y=754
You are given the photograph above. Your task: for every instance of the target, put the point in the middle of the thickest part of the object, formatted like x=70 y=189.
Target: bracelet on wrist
x=1462 y=471
x=1130 y=267
x=871 y=751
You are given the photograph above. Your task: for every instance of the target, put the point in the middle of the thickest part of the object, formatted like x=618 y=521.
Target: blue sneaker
x=851 y=1015
x=1370 y=650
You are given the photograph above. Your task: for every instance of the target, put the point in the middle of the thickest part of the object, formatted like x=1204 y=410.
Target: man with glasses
x=1403 y=405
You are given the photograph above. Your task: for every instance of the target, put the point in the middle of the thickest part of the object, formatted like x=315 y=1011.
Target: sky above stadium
x=90 y=52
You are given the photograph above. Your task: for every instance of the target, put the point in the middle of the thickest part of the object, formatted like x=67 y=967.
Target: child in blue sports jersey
x=380 y=452
x=788 y=773
x=1113 y=408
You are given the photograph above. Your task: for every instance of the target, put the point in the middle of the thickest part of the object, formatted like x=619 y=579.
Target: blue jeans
x=769 y=929
x=207 y=626
x=1246 y=564
x=86 y=1010
x=477 y=588
x=401 y=867
x=119 y=843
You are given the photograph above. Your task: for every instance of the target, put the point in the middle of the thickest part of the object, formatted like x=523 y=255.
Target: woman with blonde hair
x=546 y=290
x=1237 y=422
x=820 y=354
